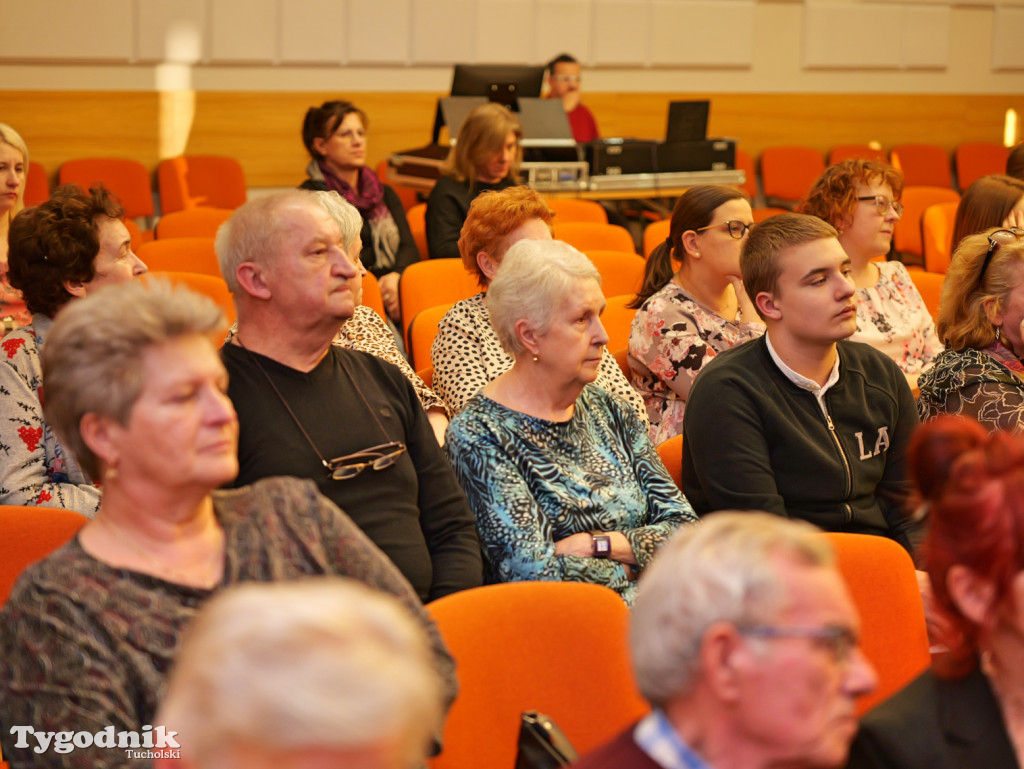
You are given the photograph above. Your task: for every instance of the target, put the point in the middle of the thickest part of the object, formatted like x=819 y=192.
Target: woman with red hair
x=965 y=711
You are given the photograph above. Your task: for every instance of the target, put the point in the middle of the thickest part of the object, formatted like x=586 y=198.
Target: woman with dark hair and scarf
x=335 y=136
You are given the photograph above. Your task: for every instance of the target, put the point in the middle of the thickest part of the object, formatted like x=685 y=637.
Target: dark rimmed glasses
x=1005 y=238
x=376 y=457
x=883 y=204
x=837 y=640
x=736 y=229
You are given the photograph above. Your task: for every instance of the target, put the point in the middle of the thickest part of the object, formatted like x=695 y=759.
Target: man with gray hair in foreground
x=744 y=641
x=301 y=675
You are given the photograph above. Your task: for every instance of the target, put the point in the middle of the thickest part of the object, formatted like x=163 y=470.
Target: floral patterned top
x=891 y=317
x=532 y=482
x=367 y=331
x=467 y=355
x=13 y=312
x=673 y=337
x=987 y=385
x=35 y=468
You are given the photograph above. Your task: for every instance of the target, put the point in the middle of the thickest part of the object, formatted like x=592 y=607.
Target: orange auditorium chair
x=883 y=584
x=192 y=223
x=213 y=287
x=787 y=173
x=422 y=330
x=417 y=218
x=128 y=179
x=194 y=181
x=592 y=236
x=180 y=255
x=371 y=295
x=907 y=231
x=557 y=647
x=974 y=160
x=28 y=534
x=656 y=234
x=622 y=272
x=576 y=210
x=929 y=285
x=617 y=321
x=937 y=236
x=671 y=453
x=37 y=186
x=923 y=165
x=745 y=163
x=430 y=283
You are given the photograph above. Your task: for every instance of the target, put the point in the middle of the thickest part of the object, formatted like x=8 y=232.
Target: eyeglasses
x=736 y=229
x=566 y=78
x=377 y=457
x=996 y=239
x=838 y=641
x=883 y=204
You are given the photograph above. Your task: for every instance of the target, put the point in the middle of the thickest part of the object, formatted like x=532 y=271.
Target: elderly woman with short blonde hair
x=562 y=476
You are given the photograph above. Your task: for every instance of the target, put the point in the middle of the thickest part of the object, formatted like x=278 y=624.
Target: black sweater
x=447 y=207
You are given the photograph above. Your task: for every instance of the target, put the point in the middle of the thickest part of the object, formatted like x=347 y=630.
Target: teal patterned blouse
x=532 y=482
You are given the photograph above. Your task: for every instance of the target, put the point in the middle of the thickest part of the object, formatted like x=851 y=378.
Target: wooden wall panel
x=262 y=130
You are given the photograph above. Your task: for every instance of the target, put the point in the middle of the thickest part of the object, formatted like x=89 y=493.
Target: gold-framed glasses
x=376 y=457
x=736 y=229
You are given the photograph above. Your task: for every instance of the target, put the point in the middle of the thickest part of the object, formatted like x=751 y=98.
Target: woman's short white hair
x=721 y=570
x=344 y=213
x=322 y=662
x=535 y=279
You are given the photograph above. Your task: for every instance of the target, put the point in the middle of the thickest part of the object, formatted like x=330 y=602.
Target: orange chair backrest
x=907 y=232
x=929 y=284
x=422 y=331
x=37 y=186
x=180 y=255
x=193 y=181
x=923 y=165
x=128 y=179
x=618 y=320
x=745 y=163
x=430 y=283
x=974 y=160
x=843 y=152
x=417 y=218
x=883 y=584
x=787 y=173
x=671 y=453
x=557 y=647
x=193 y=223
x=592 y=236
x=28 y=534
x=213 y=287
x=135 y=234
x=427 y=375
x=371 y=294
x=575 y=210
x=622 y=358
x=622 y=272
x=937 y=236
x=656 y=234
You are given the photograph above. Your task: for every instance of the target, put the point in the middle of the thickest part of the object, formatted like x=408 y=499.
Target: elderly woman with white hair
x=562 y=476
x=304 y=674
x=135 y=388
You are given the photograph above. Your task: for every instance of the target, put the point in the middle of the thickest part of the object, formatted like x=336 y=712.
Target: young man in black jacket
x=801 y=422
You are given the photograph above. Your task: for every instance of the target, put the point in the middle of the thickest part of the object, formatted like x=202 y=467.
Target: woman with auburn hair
x=964 y=711
x=861 y=199
x=688 y=314
x=13 y=175
x=485 y=157
x=980 y=374
x=335 y=137
x=991 y=201
x=466 y=353
x=562 y=476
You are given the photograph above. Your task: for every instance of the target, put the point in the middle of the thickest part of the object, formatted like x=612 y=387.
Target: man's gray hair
x=322 y=662
x=721 y=570
x=253 y=233
x=536 y=278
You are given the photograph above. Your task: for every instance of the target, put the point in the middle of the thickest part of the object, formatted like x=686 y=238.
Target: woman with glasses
x=692 y=305
x=335 y=137
x=562 y=476
x=980 y=374
x=136 y=389
x=965 y=711
x=860 y=198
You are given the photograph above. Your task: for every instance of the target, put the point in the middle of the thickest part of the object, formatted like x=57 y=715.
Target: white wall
x=922 y=46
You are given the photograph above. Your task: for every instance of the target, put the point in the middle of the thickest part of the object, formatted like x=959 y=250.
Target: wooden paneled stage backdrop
x=262 y=129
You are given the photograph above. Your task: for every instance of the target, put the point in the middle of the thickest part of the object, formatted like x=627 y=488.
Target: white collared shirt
x=803 y=382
